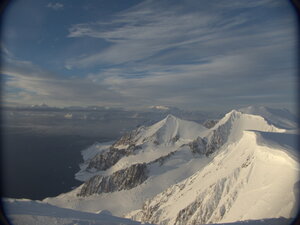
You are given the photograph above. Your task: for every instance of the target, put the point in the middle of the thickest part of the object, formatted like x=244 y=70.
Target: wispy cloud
x=150 y=31
x=4 y=51
x=55 y=5
x=185 y=54
x=27 y=82
x=130 y=40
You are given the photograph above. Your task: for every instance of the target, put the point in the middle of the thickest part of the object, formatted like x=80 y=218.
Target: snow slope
x=246 y=180
x=28 y=212
x=245 y=167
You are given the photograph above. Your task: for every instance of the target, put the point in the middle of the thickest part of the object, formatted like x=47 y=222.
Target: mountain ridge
x=171 y=153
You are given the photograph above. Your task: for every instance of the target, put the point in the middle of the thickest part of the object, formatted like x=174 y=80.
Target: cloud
x=226 y=79
x=149 y=31
x=55 y=6
x=140 y=33
x=215 y=54
x=218 y=82
x=4 y=51
x=27 y=82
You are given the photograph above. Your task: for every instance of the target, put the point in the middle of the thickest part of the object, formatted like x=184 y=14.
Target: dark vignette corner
x=3 y=219
x=296 y=5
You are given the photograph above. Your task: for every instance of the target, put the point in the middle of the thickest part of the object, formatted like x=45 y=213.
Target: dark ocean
x=39 y=166
x=41 y=149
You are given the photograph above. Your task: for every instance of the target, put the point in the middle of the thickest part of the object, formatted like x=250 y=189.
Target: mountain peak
x=170 y=117
x=234 y=112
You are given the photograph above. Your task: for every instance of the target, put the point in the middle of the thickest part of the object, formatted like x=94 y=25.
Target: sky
x=191 y=54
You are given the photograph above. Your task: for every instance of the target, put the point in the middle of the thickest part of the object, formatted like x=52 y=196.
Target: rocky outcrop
x=105 y=160
x=175 y=138
x=120 y=180
x=218 y=138
x=130 y=138
x=125 y=146
x=199 y=145
x=162 y=159
x=210 y=123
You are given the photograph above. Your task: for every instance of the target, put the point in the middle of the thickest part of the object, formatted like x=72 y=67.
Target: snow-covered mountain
x=251 y=177
x=143 y=145
x=29 y=212
x=140 y=165
x=244 y=181
x=179 y=172
x=243 y=167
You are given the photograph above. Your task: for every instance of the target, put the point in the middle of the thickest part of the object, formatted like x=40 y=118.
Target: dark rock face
x=105 y=160
x=219 y=137
x=210 y=123
x=175 y=139
x=199 y=145
x=162 y=159
x=129 y=138
x=120 y=180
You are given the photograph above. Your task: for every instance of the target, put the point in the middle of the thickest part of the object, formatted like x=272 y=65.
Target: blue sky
x=192 y=54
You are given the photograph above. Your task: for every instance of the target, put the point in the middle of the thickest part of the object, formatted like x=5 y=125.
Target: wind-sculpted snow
x=120 y=180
